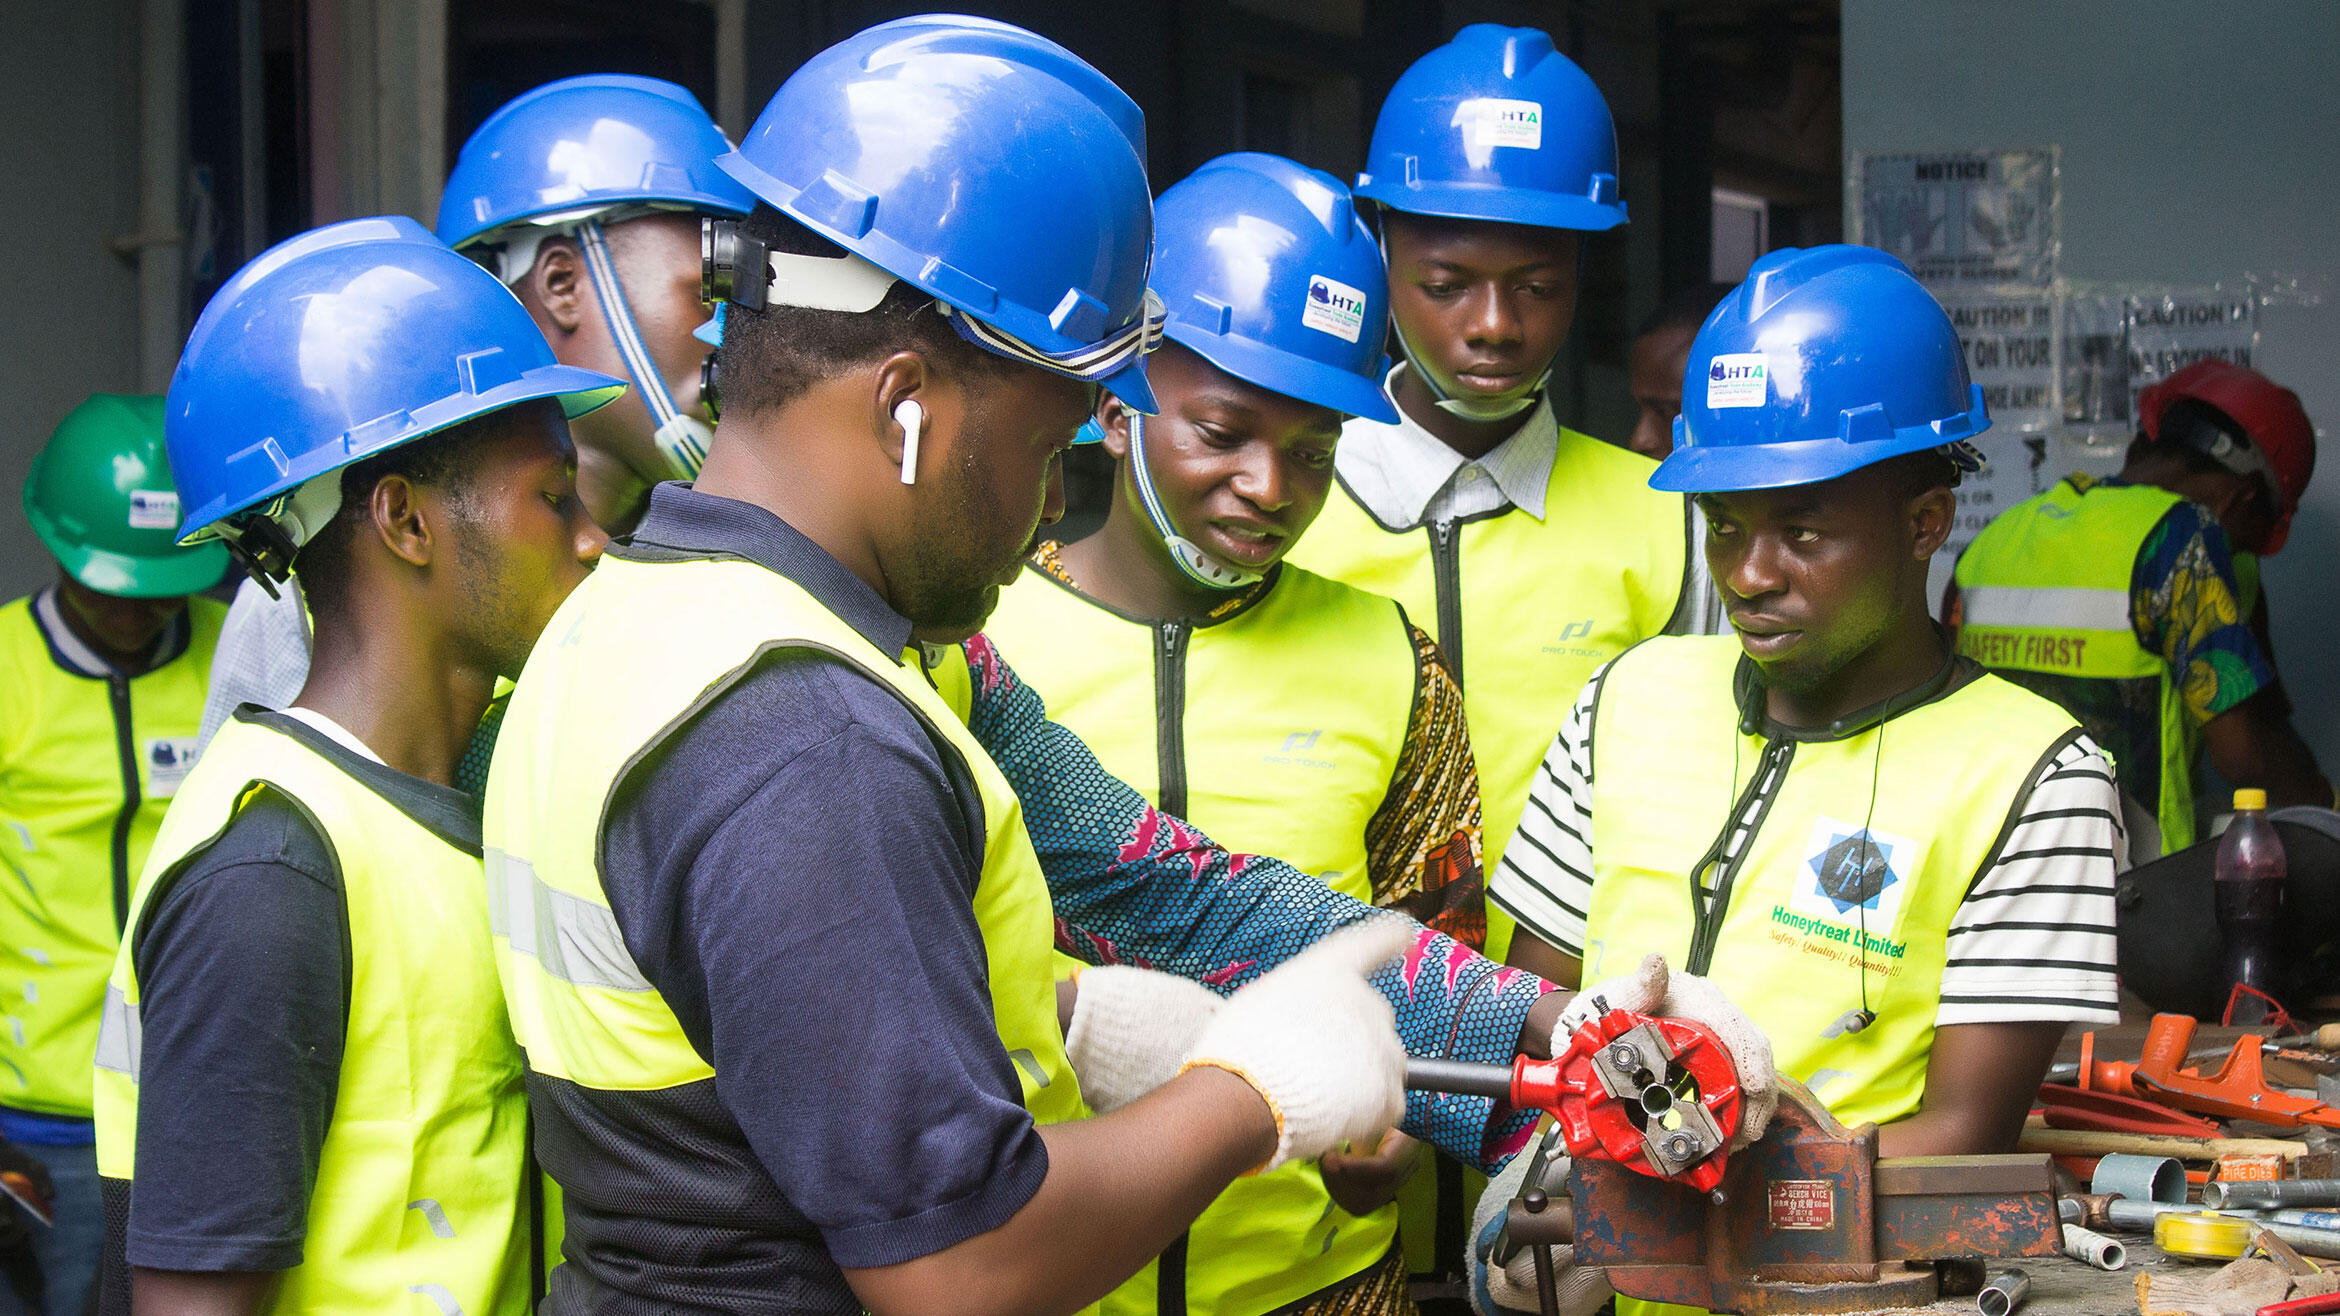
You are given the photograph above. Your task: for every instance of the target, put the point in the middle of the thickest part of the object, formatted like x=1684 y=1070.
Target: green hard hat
x=100 y=497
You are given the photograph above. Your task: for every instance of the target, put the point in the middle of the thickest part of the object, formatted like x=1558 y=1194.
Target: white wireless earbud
x=912 y=418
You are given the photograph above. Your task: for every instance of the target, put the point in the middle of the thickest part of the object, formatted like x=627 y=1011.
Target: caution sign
x=1964 y=216
x=2169 y=331
x=2010 y=345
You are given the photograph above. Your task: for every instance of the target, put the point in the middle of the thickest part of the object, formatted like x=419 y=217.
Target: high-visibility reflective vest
x=1277 y=730
x=421 y=1197
x=628 y=656
x=2045 y=588
x=1525 y=610
x=1801 y=916
x=89 y=759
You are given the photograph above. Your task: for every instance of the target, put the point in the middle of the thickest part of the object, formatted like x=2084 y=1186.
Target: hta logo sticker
x=1736 y=379
x=1494 y=121
x=168 y=759
x=1334 y=308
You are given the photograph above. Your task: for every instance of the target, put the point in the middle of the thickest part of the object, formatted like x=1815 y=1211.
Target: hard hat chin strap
x=1193 y=563
x=680 y=438
x=1479 y=409
x=267 y=538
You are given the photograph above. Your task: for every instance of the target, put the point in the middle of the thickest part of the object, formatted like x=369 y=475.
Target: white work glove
x=1131 y=1029
x=1652 y=990
x=1510 y=1290
x=1318 y=1042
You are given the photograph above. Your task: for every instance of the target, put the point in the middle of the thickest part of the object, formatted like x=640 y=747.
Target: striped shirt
x=2034 y=939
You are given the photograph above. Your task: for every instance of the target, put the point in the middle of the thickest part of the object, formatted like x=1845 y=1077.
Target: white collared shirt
x=1406 y=476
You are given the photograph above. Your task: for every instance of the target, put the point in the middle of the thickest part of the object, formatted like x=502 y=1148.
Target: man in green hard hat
x=102 y=677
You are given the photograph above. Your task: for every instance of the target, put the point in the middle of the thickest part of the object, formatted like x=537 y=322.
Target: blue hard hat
x=986 y=166
x=338 y=344
x=1825 y=360
x=1267 y=272
x=1496 y=125
x=583 y=144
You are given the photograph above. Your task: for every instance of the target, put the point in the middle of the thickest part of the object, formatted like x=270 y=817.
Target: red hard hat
x=2270 y=416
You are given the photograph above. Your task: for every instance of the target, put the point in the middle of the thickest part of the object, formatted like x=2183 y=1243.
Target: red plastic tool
x=2107 y=1112
x=2315 y=1306
x=1660 y=1096
x=2238 y=1090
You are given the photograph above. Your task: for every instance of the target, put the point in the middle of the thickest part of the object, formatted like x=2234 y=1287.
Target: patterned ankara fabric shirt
x=1134 y=885
x=2185 y=604
x=1422 y=845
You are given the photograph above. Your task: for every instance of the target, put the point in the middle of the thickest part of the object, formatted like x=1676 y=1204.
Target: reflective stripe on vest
x=2045 y=588
x=1284 y=725
x=420 y=1203
x=643 y=646
x=1669 y=763
x=1543 y=604
x=88 y=764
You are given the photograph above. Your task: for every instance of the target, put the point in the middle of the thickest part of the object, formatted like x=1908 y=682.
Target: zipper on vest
x=1170 y=715
x=1446 y=578
x=1709 y=905
x=118 y=695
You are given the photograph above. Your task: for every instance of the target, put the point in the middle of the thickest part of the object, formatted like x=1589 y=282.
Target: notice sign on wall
x=1963 y=216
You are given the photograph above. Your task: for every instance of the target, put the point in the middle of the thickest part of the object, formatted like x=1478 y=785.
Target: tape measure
x=2206 y=1235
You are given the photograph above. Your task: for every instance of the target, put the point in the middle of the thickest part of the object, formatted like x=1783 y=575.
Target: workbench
x=2061 y=1286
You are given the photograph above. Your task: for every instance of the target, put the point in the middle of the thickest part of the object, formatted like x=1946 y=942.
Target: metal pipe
x=2004 y=1294
x=2323 y=1244
x=1461 y=1076
x=2094 y=1248
x=2121 y=1213
x=2140 y=1178
x=2261 y=1194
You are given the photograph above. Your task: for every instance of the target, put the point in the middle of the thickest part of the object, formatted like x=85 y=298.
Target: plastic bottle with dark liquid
x=2250 y=874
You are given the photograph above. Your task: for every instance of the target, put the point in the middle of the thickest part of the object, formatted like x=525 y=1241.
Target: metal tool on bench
x=1807 y=1219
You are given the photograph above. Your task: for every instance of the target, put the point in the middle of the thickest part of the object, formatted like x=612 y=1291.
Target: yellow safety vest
x=421 y=1197
x=1672 y=766
x=630 y=654
x=2045 y=588
x=1543 y=604
x=88 y=763
x=1277 y=730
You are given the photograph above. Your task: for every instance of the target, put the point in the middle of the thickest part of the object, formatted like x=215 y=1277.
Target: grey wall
x=68 y=307
x=2200 y=142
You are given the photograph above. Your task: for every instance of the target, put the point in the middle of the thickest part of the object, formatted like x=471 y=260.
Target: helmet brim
x=580 y=392
x=1495 y=205
x=1314 y=382
x=1737 y=469
x=180 y=572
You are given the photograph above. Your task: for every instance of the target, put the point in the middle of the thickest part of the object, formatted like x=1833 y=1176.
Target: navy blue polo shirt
x=794 y=870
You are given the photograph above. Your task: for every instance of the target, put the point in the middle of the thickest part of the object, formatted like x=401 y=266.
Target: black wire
x=1869 y=853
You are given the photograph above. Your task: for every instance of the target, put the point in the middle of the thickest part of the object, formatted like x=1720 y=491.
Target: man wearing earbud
x=1899 y=865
